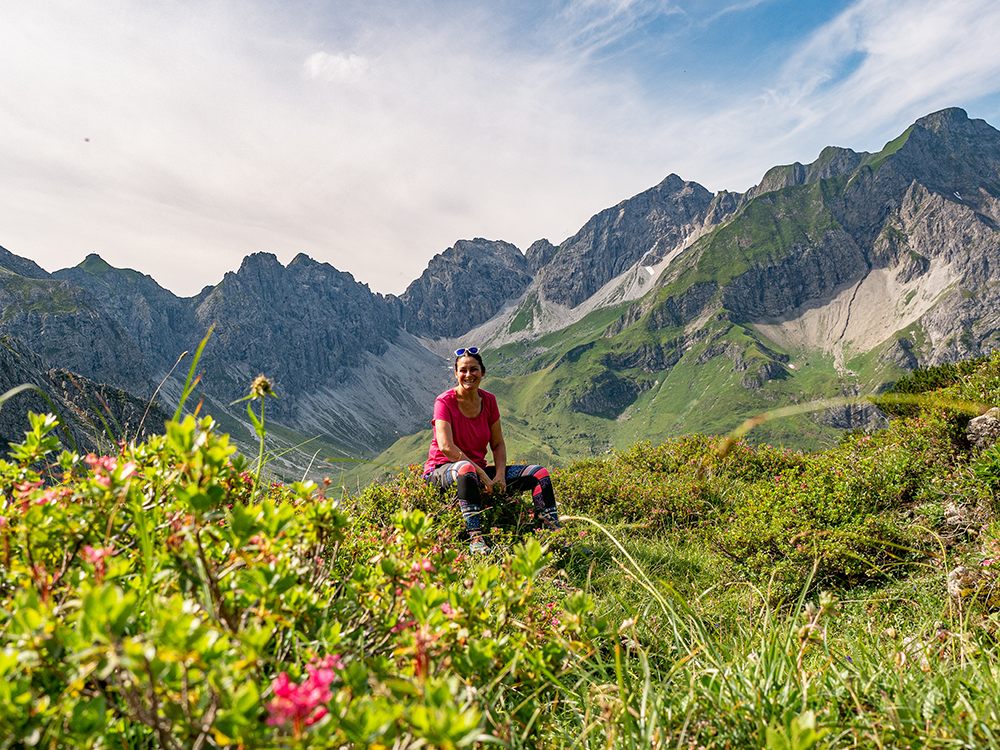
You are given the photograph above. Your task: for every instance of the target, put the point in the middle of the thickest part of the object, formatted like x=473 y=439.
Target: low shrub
x=146 y=604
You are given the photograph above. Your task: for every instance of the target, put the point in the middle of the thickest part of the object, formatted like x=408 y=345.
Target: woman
x=466 y=421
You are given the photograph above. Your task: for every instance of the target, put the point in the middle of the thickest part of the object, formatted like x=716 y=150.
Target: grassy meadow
x=703 y=593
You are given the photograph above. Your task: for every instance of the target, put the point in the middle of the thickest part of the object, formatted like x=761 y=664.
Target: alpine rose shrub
x=148 y=603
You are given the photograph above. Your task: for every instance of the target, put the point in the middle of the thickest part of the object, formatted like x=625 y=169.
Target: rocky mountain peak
x=21 y=266
x=539 y=254
x=463 y=287
x=617 y=238
x=832 y=161
x=950 y=154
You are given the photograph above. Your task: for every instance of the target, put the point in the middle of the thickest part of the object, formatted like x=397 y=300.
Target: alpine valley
x=676 y=311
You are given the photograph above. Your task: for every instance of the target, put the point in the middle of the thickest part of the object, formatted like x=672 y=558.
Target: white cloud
x=339 y=67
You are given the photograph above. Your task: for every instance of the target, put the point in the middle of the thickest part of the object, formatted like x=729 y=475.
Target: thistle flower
x=261 y=387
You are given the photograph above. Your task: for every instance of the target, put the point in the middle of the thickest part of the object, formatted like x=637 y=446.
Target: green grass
x=875 y=161
x=525 y=315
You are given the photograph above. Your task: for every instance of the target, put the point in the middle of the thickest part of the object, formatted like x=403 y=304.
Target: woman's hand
x=484 y=479
x=500 y=483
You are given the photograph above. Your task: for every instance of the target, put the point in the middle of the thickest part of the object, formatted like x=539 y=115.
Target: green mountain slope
x=840 y=278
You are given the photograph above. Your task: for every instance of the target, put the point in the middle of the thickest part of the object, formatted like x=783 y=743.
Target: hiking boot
x=478 y=546
x=549 y=518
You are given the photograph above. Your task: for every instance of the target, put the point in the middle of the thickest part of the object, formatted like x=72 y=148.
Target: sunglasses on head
x=468 y=350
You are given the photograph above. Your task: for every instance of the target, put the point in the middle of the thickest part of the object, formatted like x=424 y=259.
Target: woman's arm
x=499 y=448
x=446 y=444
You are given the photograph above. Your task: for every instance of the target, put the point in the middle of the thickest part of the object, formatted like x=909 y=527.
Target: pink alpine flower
x=302 y=704
x=422 y=564
x=102 y=468
x=96 y=556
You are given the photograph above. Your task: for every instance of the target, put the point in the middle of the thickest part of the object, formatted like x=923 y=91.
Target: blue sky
x=175 y=138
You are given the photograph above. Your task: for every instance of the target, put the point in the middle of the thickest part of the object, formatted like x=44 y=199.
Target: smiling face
x=468 y=373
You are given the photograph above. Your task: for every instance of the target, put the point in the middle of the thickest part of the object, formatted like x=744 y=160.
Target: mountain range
x=676 y=310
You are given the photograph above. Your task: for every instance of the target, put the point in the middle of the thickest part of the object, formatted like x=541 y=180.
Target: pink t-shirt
x=472 y=436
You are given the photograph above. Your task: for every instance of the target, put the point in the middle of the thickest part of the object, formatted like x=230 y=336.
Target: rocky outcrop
x=900 y=353
x=617 y=238
x=539 y=254
x=808 y=272
x=464 y=287
x=85 y=406
x=305 y=326
x=647 y=357
x=671 y=312
x=69 y=328
x=161 y=324
x=984 y=430
x=607 y=395
x=831 y=162
x=761 y=372
x=858 y=416
x=19 y=266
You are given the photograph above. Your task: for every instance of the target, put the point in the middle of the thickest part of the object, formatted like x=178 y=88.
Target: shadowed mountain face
x=617 y=238
x=68 y=326
x=161 y=324
x=675 y=310
x=305 y=325
x=82 y=403
x=464 y=287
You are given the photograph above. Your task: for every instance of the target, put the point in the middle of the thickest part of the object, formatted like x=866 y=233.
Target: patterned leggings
x=519 y=477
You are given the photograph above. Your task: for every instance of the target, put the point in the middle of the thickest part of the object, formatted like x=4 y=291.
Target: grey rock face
x=669 y=313
x=807 y=273
x=832 y=162
x=853 y=417
x=464 y=287
x=984 y=430
x=304 y=326
x=21 y=266
x=949 y=153
x=539 y=254
x=607 y=396
x=756 y=376
x=900 y=353
x=69 y=328
x=81 y=402
x=161 y=324
x=617 y=238
x=648 y=357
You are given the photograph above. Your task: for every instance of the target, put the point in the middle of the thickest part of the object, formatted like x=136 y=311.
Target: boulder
x=984 y=431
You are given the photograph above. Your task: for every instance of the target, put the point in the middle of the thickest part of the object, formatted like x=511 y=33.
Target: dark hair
x=477 y=356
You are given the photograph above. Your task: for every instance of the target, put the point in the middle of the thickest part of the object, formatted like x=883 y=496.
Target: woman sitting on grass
x=466 y=420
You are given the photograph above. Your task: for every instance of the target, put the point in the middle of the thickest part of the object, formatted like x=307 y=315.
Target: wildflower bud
x=261 y=386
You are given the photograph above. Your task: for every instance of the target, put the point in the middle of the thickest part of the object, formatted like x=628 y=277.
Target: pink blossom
x=47 y=497
x=302 y=704
x=446 y=608
x=422 y=564
x=96 y=556
x=402 y=626
x=103 y=467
